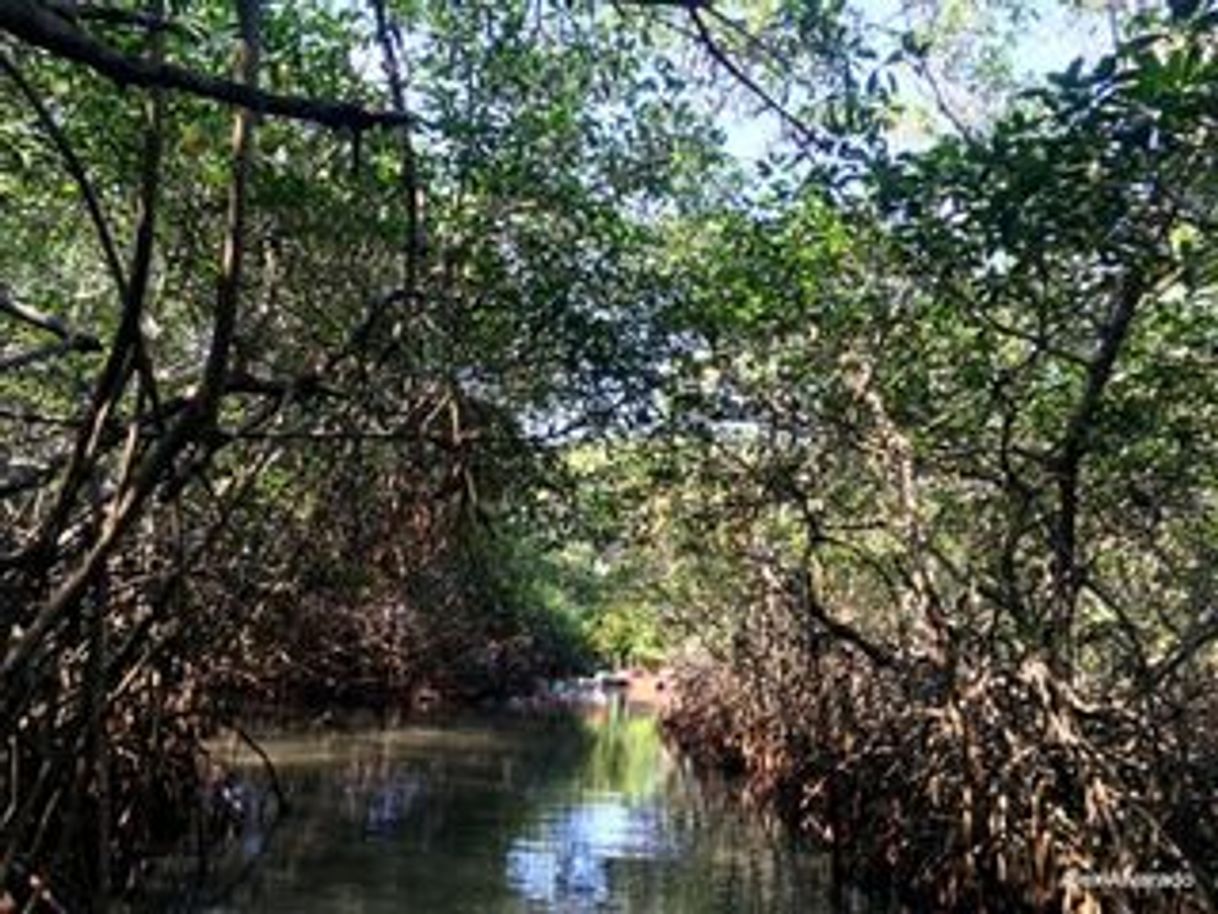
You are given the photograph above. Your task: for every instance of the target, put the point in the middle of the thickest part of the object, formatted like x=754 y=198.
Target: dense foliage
x=954 y=448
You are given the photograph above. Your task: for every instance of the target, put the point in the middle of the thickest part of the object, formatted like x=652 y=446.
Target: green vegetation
x=356 y=351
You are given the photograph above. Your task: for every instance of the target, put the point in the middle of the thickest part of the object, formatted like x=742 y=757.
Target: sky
x=1050 y=36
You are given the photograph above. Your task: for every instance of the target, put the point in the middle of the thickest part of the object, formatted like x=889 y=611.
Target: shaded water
x=515 y=815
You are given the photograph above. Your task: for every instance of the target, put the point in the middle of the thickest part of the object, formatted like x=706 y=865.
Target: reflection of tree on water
x=391 y=802
x=568 y=861
x=408 y=820
x=635 y=830
x=566 y=856
x=511 y=816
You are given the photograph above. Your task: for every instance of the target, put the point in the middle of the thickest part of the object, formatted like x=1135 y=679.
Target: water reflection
x=565 y=861
x=519 y=815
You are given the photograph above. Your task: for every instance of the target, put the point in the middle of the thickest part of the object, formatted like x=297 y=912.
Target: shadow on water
x=563 y=814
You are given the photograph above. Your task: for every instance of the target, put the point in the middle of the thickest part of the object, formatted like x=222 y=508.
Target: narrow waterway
x=580 y=814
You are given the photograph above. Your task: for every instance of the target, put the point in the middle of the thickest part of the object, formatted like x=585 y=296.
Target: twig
x=922 y=68
x=85 y=341
x=272 y=774
x=707 y=39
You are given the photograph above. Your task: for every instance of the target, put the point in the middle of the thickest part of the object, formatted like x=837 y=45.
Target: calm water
x=517 y=815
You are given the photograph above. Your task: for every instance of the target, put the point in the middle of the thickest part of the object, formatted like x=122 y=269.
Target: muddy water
x=584 y=814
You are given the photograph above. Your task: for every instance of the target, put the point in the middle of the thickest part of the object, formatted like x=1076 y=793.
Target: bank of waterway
x=589 y=812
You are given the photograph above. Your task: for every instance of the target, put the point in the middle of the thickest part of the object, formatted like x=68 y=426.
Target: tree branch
x=721 y=57
x=39 y=26
x=84 y=342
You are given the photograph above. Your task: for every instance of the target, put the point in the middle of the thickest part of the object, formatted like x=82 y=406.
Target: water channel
x=580 y=813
